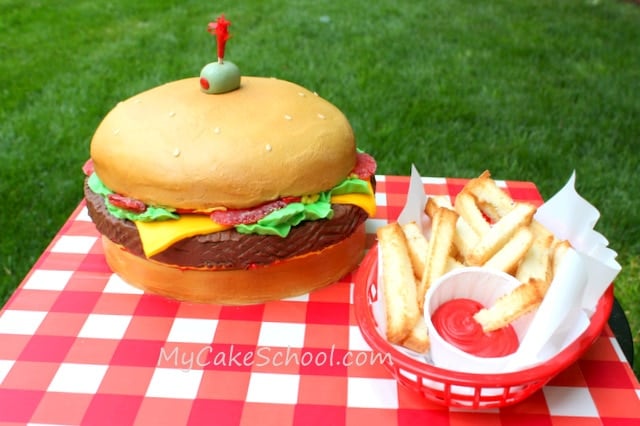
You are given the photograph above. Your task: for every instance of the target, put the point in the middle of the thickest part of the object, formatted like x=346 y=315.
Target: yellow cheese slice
x=366 y=202
x=159 y=235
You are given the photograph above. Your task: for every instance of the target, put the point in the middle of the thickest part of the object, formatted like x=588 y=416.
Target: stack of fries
x=485 y=227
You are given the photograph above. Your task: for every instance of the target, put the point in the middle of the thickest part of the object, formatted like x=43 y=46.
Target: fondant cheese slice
x=159 y=235
x=366 y=202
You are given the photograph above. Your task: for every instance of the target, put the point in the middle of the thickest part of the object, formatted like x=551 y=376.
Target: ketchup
x=454 y=322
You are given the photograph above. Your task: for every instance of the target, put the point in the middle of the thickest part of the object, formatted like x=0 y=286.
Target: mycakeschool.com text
x=265 y=356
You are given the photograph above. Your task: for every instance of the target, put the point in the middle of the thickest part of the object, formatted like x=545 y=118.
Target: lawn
x=531 y=90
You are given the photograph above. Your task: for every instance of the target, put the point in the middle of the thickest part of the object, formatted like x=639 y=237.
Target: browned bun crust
x=268 y=139
x=288 y=278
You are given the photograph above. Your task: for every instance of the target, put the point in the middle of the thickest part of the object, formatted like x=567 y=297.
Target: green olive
x=219 y=77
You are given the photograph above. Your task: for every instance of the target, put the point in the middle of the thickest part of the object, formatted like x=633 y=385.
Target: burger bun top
x=175 y=146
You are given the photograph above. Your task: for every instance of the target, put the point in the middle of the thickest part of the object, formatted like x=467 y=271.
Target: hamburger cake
x=253 y=193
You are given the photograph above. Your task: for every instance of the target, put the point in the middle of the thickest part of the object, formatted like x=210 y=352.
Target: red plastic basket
x=457 y=389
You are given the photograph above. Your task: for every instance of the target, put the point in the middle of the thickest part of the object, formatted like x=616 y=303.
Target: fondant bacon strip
x=365 y=166
x=127 y=203
x=233 y=217
x=87 y=167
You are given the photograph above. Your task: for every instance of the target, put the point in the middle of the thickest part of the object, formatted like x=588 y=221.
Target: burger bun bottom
x=288 y=278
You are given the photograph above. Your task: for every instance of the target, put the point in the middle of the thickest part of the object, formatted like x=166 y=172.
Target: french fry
x=509 y=307
x=465 y=238
x=537 y=262
x=452 y=264
x=431 y=206
x=401 y=302
x=498 y=235
x=540 y=232
x=465 y=205
x=418 y=339
x=443 y=228
x=509 y=256
x=494 y=202
x=417 y=246
x=435 y=201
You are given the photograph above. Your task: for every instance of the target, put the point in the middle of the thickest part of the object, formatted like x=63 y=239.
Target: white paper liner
x=573 y=295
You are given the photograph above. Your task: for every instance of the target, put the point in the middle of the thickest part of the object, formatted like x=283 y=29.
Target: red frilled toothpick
x=220 y=29
x=220 y=76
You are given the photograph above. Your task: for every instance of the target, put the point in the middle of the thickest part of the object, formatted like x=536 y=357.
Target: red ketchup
x=454 y=322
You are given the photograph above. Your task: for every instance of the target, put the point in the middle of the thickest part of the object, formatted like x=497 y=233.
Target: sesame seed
x=116 y=131
x=268 y=147
x=301 y=94
x=216 y=130
x=176 y=152
x=288 y=117
x=321 y=116
x=172 y=114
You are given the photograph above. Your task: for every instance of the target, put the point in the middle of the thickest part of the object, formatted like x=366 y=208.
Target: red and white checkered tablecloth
x=79 y=346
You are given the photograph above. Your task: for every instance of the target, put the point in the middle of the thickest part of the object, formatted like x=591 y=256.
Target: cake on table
x=229 y=189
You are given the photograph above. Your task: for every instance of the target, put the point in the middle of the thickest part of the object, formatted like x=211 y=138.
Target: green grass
x=531 y=90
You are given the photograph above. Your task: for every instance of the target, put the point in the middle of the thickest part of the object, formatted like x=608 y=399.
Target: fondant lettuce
x=150 y=214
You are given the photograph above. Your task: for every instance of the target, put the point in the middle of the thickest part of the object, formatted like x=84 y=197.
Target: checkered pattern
x=79 y=346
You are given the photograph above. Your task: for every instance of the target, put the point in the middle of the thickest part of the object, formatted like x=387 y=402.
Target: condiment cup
x=482 y=285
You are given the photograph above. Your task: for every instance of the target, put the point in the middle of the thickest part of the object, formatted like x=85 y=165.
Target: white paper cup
x=481 y=285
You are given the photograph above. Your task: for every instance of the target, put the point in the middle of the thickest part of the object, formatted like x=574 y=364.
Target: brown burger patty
x=229 y=248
